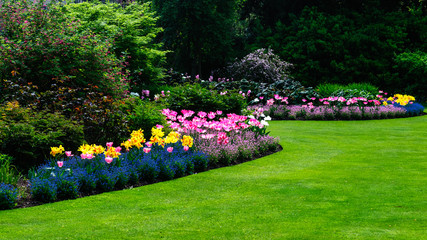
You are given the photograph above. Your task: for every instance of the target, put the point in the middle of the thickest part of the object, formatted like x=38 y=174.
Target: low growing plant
x=8 y=196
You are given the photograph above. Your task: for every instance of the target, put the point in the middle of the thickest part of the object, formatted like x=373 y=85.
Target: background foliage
x=133 y=28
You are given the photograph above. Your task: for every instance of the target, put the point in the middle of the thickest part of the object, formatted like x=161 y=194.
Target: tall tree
x=198 y=33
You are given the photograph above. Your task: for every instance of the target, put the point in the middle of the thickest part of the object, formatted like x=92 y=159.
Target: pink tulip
x=186 y=148
x=60 y=163
x=108 y=159
x=118 y=149
x=202 y=114
x=218 y=112
x=109 y=144
x=159 y=126
x=170 y=149
x=68 y=154
x=149 y=144
x=211 y=115
x=86 y=156
x=146 y=150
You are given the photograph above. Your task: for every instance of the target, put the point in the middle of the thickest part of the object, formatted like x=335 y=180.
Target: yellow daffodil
x=98 y=149
x=112 y=152
x=127 y=144
x=86 y=149
x=187 y=141
x=157 y=132
x=56 y=150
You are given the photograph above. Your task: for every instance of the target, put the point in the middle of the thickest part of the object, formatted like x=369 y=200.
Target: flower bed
x=225 y=140
x=195 y=144
x=100 y=169
x=339 y=108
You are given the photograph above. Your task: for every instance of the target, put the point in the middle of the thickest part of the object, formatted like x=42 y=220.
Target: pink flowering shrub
x=44 y=47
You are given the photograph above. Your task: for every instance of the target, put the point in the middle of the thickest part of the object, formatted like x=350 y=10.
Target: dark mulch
x=26 y=200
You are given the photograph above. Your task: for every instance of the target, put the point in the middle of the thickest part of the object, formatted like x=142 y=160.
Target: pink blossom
x=68 y=154
x=159 y=126
x=149 y=144
x=146 y=150
x=186 y=148
x=108 y=159
x=326 y=102
x=169 y=149
x=202 y=114
x=270 y=102
x=211 y=115
x=222 y=138
x=118 y=149
x=109 y=144
x=60 y=163
x=261 y=98
x=304 y=100
x=86 y=156
x=218 y=112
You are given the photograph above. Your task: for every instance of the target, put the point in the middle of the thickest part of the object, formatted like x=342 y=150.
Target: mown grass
x=333 y=180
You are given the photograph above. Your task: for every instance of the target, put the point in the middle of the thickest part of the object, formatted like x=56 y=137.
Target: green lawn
x=333 y=180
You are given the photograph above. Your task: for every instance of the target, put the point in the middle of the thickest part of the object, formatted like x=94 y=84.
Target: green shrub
x=45 y=46
x=340 y=48
x=8 y=172
x=145 y=116
x=326 y=89
x=133 y=28
x=27 y=135
x=338 y=90
x=198 y=98
x=412 y=67
x=351 y=93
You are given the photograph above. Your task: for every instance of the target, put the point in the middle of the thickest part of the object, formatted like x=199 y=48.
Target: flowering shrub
x=8 y=196
x=46 y=47
x=259 y=66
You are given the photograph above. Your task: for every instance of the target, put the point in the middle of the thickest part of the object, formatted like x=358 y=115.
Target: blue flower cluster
x=413 y=109
x=50 y=182
x=8 y=196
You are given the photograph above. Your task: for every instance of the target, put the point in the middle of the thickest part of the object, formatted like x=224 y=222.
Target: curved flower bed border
x=298 y=112
x=233 y=140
